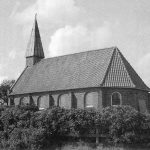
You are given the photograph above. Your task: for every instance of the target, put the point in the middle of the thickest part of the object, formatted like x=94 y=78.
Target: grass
x=86 y=147
x=92 y=146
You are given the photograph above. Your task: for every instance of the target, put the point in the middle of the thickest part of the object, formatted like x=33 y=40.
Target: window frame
x=38 y=103
x=21 y=101
x=85 y=100
x=120 y=96
x=59 y=102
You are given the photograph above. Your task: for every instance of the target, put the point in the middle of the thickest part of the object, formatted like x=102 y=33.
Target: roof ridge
x=115 y=75
x=113 y=47
x=117 y=50
x=99 y=68
x=138 y=77
x=106 y=73
x=57 y=74
x=18 y=78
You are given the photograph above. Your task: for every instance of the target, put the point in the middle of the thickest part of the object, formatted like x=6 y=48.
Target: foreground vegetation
x=25 y=127
x=87 y=146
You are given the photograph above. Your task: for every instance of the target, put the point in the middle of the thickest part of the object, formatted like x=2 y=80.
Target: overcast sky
x=69 y=26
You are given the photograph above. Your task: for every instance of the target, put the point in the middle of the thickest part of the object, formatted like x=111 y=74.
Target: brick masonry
x=129 y=97
x=101 y=98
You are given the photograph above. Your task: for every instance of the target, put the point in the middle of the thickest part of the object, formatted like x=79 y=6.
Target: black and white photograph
x=74 y=74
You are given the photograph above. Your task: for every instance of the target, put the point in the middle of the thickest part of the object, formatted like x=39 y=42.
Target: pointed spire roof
x=35 y=47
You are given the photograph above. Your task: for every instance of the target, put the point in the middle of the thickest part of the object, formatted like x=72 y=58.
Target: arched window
x=22 y=101
x=12 y=101
x=43 y=102
x=39 y=103
x=142 y=106
x=116 y=99
x=64 y=101
x=51 y=101
x=91 y=100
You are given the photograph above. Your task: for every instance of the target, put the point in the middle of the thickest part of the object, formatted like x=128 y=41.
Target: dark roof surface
x=34 y=47
x=97 y=68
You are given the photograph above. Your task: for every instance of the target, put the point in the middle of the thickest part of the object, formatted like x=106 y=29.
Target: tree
x=4 y=88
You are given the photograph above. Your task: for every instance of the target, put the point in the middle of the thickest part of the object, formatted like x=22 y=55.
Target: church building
x=91 y=79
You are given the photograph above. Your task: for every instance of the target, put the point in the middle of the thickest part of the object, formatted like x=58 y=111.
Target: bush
x=30 y=138
x=18 y=140
x=82 y=121
x=26 y=127
x=59 y=121
x=123 y=123
x=28 y=107
x=38 y=139
x=53 y=120
x=19 y=116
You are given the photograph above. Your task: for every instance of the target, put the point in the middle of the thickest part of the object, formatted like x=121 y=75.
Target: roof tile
x=97 y=68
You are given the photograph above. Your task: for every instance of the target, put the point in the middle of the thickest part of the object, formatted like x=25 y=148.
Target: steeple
x=34 y=51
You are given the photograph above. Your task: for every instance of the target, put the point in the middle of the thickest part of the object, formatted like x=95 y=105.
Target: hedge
x=27 y=127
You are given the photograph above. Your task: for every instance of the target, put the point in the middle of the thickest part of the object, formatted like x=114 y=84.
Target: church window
x=43 y=102
x=65 y=101
x=12 y=101
x=142 y=106
x=116 y=99
x=91 y=100
x=22 y=101
x=39 y=103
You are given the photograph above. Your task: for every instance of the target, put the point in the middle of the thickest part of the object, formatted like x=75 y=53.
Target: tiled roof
x=117 y=74
x=34 y=47
x=97 y=68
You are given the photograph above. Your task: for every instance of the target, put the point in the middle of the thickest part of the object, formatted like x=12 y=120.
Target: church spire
x=34 y=51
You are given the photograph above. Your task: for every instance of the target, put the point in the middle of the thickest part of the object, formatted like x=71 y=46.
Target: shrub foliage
x=25 y=127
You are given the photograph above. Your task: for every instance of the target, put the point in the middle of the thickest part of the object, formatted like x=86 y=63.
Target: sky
x=70 y=26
